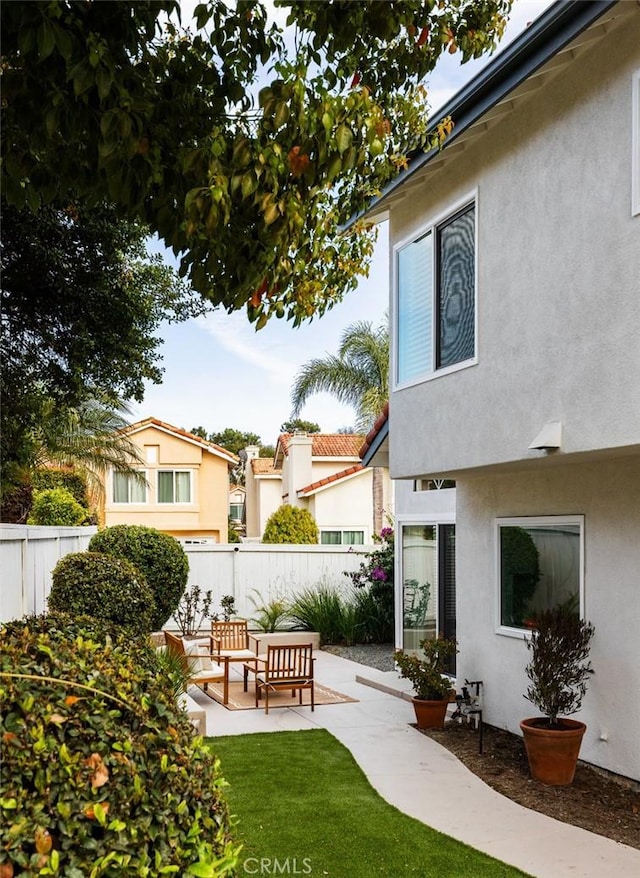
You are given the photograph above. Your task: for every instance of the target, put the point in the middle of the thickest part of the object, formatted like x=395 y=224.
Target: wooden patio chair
x=285 y=667
x=230 y=643
x=198 y=665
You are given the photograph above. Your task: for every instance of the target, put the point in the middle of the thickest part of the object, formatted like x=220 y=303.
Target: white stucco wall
x=558 y=276
x=608 y=495
x=345 y=505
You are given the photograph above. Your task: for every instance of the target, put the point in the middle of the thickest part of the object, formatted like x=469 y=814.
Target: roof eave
x=543 y=39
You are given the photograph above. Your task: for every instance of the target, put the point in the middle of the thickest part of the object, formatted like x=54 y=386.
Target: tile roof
x=381 y=420
x=328 y=480
x=328 y=444
x=178 y=431
x=262 y=466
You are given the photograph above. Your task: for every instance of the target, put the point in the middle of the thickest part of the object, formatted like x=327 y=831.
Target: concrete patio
x=422 y=779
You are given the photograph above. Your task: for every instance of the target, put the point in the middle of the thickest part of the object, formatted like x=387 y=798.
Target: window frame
x=432 y=228
x=174 y=502
x=533 y=521
x=342 y=531
x=129 y=501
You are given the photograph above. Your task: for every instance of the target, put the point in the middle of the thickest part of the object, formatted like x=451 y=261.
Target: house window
x=342 y=537
x=540 y=563
x=435 y=300
x=433 y=484
x=428 y=575
x=235 y=511
x=174 y=486
x=128 y=489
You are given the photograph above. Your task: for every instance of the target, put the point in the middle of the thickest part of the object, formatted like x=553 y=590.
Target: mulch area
x=594 y=801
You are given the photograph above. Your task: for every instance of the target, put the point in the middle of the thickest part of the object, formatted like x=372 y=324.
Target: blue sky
x=219 y=372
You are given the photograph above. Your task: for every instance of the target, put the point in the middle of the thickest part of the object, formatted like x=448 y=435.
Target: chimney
x=298 y=466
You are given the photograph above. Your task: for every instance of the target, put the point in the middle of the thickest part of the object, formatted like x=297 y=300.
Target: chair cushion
x=238 y=654
x=197 y=655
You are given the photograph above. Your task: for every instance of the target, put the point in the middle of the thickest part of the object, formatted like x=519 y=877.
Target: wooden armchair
x=230 y=643
x=285 y=667
x=197 y=665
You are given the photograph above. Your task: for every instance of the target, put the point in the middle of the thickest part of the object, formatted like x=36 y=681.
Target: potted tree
x=431 y=688
x=558 y=671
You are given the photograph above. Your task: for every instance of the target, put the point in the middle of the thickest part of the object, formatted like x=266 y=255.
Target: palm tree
x=357 y=375
x=89 y=439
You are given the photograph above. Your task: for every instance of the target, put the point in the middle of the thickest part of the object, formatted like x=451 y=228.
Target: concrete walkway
x=424 y=780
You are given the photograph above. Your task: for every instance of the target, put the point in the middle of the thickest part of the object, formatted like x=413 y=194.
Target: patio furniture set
x=281 y=667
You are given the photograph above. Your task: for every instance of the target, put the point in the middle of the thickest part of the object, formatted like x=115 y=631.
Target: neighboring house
x=236 y=506
x=187 y=490
x=515 y=325
x=322 y=473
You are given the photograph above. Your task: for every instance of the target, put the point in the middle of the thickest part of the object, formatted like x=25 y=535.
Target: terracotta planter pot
x=552 y=753
x=430 y=714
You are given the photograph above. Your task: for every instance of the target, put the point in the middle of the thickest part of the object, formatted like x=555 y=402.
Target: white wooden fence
x=256 y=572
x=27 y=557
x=248 y=570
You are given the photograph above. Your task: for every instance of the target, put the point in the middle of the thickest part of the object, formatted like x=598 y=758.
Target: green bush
x=56 y=506
x=102 y=773
x=104 y=587
x=73 y=482
x=290 y=524
x=157 y=555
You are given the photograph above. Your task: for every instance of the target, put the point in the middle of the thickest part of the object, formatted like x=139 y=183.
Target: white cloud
x=235 y=334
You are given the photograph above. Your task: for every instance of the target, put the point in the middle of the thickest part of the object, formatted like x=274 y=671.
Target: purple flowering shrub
x=373 y=582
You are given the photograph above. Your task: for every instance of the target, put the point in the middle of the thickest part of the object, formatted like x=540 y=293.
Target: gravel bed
x=374 y=655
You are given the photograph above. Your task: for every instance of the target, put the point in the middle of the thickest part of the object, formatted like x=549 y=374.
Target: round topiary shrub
x=104 y=587
x=102 y=773
x=290 y=524
x=159 y=556
x=56 y=506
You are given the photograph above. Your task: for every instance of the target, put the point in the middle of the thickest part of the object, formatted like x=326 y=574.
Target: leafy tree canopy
x=297 y=425
x=81 y=303
x=117 y=101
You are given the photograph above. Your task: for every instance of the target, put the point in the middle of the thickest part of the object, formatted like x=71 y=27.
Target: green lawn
x=304 y=807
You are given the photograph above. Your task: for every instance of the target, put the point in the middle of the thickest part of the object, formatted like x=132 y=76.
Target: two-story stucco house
x=320 y=472
x=515 y=312
x=187 y=484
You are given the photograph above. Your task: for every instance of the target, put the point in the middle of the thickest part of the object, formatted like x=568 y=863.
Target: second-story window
x=435 y=298
x=128 y=489
x=174 y=486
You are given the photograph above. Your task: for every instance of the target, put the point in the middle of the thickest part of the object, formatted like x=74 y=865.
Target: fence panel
x=27 y=558
x=247 y=571
x=254 y=571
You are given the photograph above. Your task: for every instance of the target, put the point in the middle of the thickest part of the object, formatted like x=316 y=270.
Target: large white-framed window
x=341 y=537
x=126 y=488
x=425 y=575
x=435 y=298
x=635 y=144
x=174 y=486
x=540 y=565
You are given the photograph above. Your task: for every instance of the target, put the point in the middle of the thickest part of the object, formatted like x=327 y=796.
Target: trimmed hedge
x=104 y=587
x=56 y=506
x=290 y=524
x=157 y=555
x=102 y=774
x=71 y=481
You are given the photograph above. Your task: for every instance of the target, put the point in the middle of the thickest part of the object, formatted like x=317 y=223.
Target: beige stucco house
x=187 y=489
x=320 y=472
x=515 y=373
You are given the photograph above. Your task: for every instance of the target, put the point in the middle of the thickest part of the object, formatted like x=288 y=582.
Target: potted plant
x=558 y=671
x=431 y=688
x=192 y=610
